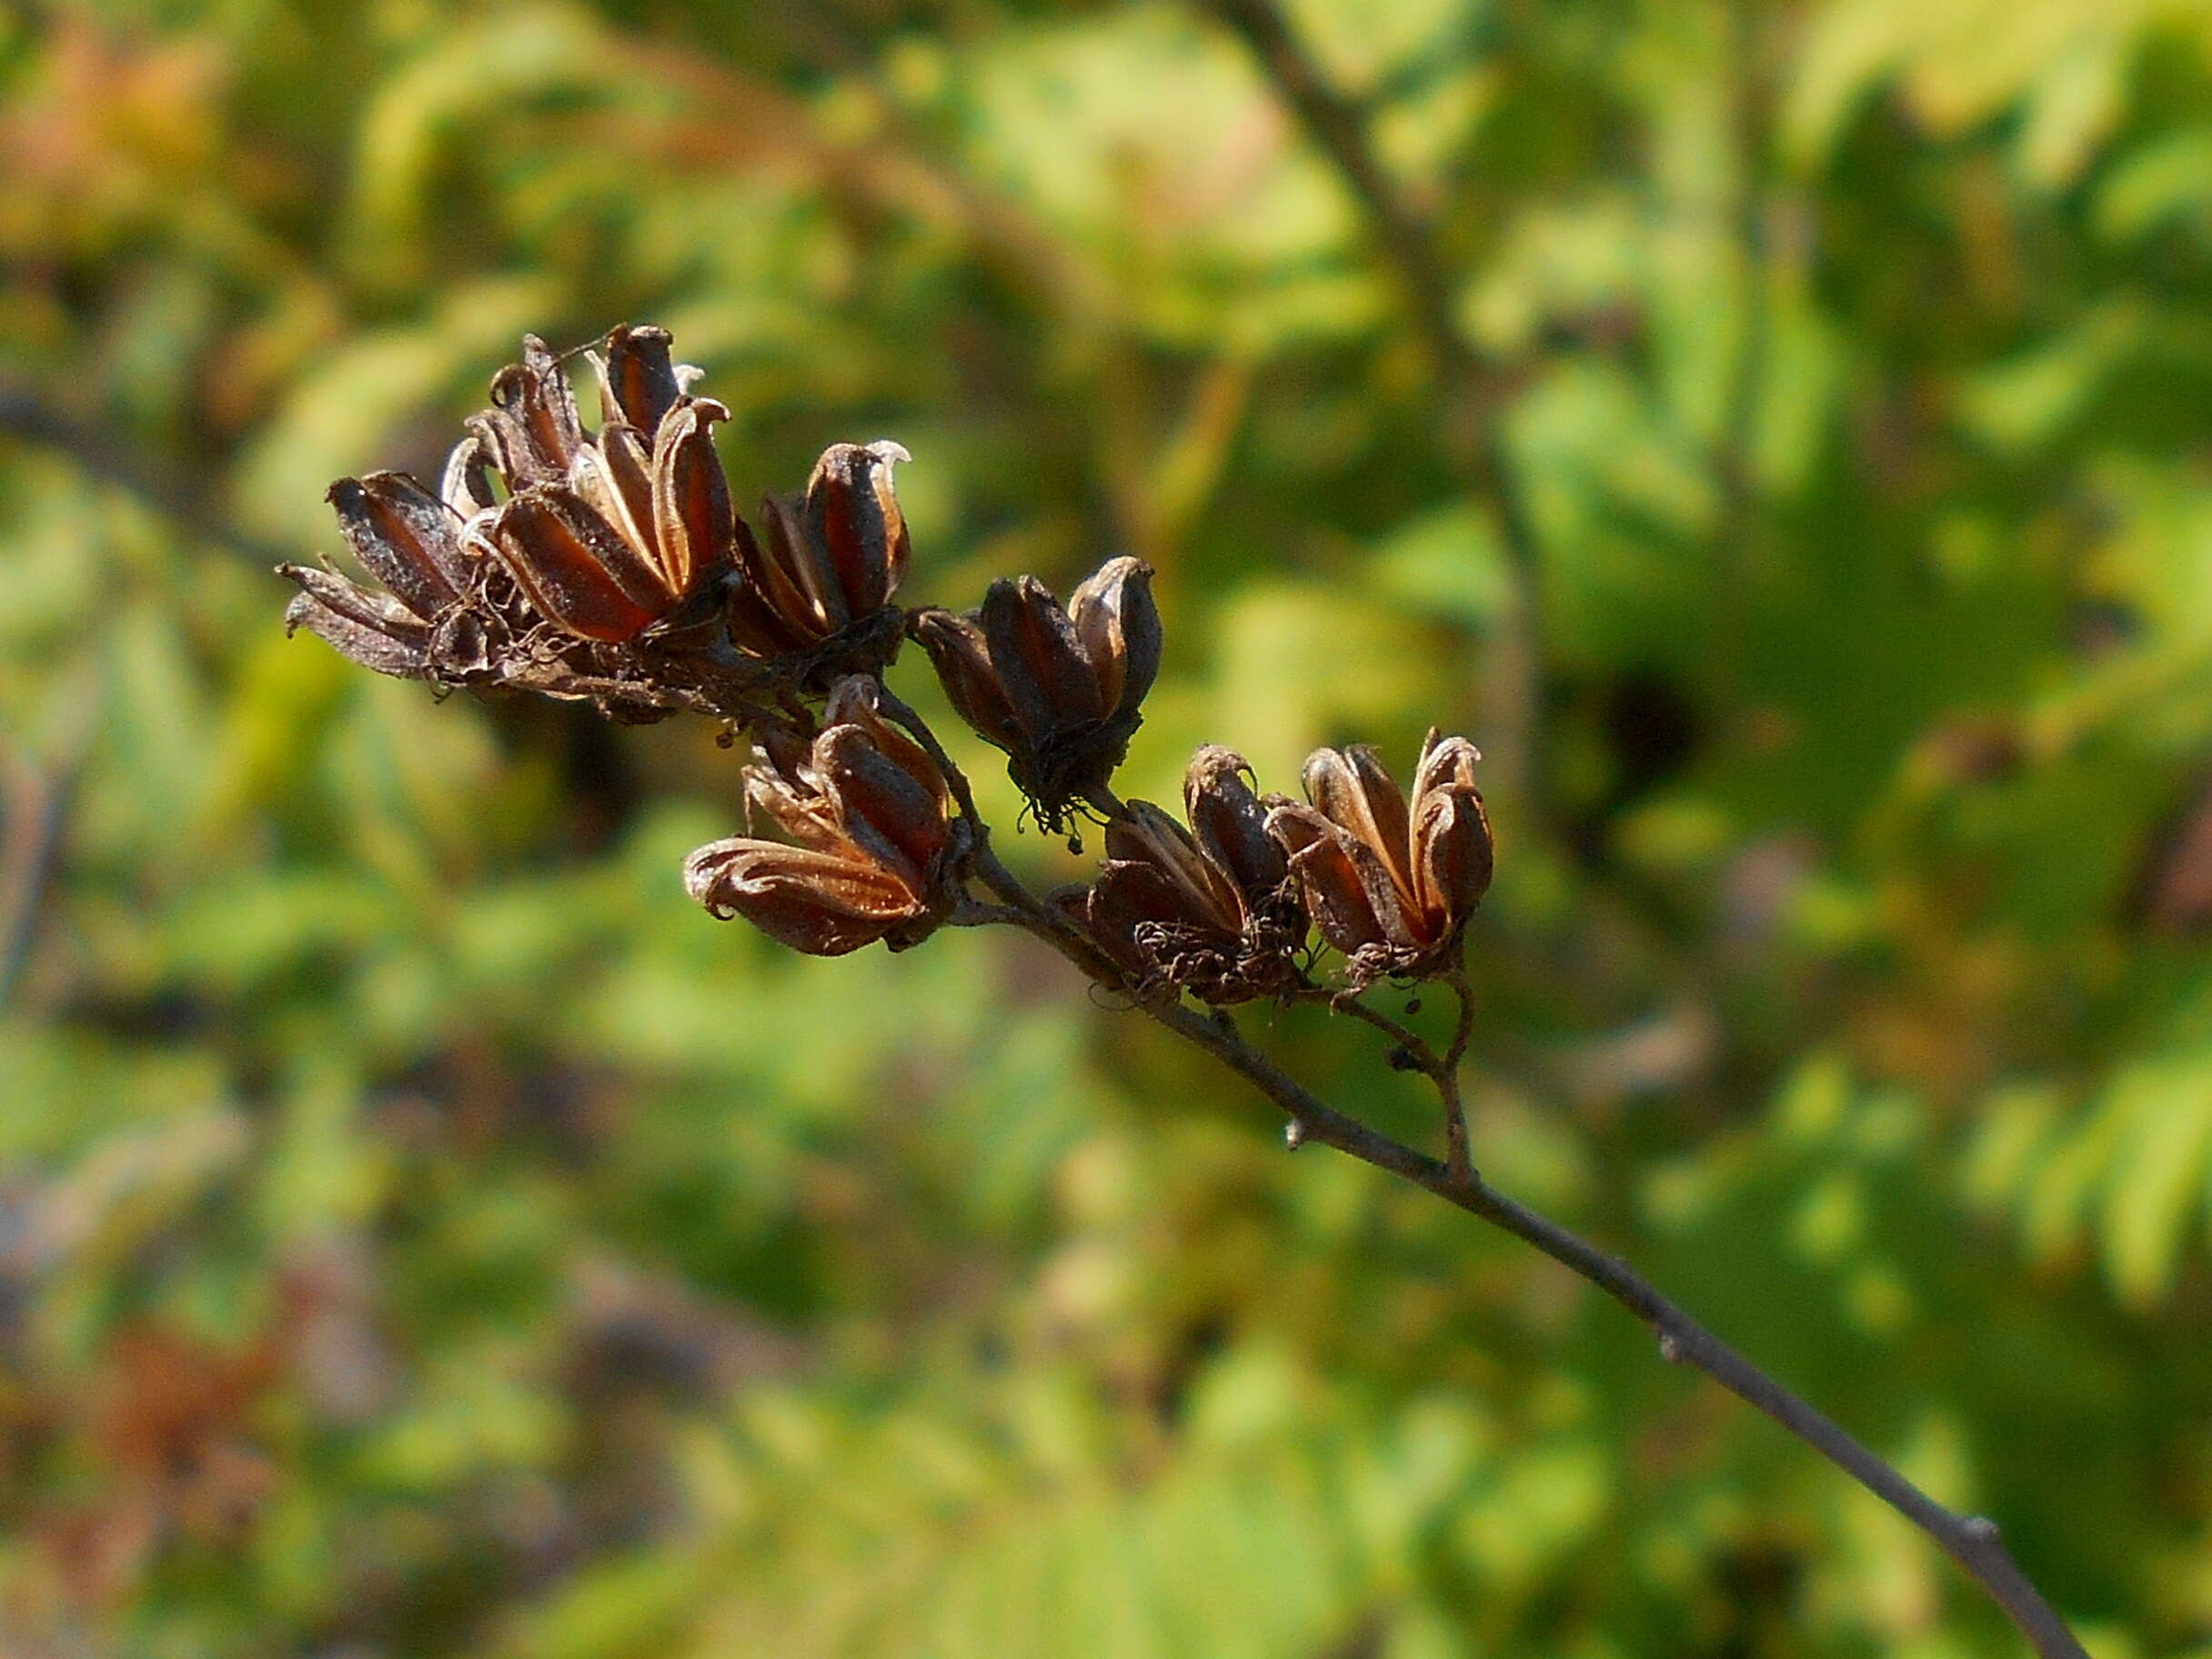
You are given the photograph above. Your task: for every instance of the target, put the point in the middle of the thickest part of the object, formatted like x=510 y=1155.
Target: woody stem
x=1973 y=1542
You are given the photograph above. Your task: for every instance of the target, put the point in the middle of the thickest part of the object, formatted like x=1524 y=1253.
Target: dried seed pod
x=1210 y=909
x=1390 y=884
x=649 y=477
x=625 y=538
x=579 y=572
x=819 y=580
x=871 y=848
x=1059 y=691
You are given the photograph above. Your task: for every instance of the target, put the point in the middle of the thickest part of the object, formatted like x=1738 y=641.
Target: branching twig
x=1474 y=391
x=1973 y=1542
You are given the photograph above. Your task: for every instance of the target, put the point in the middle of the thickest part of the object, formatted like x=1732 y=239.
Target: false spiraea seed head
x=818 y=581
x=1210 y=909
x=1059 y=689
x=550 y=555
x=869 y=848
x=1390 y=884
x=606 y=534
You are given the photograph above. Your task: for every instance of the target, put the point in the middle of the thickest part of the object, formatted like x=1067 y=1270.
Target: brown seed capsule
x=819 y=582
x=605 y=534
x=1210 y=910
x=638 y=382
x=870 y=845
x=1389 y=885
x=1059 y=690
x=626 y=537
x=411 y=627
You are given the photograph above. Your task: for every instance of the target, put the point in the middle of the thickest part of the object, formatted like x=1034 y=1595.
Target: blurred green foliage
x=423 y=1233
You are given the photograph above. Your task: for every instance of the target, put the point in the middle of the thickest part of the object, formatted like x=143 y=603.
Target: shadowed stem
x=1973 y=1542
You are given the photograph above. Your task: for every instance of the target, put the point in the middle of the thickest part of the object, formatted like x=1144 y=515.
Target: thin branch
x=1973 y=1542
x=1474 y=391
x=974 y=913
x=1416 y=1048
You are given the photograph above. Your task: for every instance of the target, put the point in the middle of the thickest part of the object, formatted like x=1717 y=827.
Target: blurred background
x=1780 y=434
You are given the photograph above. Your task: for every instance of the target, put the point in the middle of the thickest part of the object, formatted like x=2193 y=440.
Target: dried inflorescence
x=815 y=599
x=870 y=849
x=1389 y=884
x=1210 y=909
x=610 y=566
x=1058 y=689
x=608 y=534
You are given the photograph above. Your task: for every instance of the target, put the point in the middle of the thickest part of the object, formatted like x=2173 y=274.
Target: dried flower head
x=1210 y=909
x=1059 y=690
x=606 y=534
x=577 y=564
x=870 y=848
x=1391 y=886
x=817 y=594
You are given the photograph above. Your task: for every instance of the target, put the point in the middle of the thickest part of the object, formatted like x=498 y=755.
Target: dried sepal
x=823 y=904
x=638 y=380
x=1388 y=882
x=579 y=572
x=465 y=487
x=396 y=642
x=1229 y=821
x=961 y=657
x=532 y=431
x=404 y=537
x=1118 y=625
x=694 y=528
x=1453 y=852
x=1059 y=689
x=421 y=623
